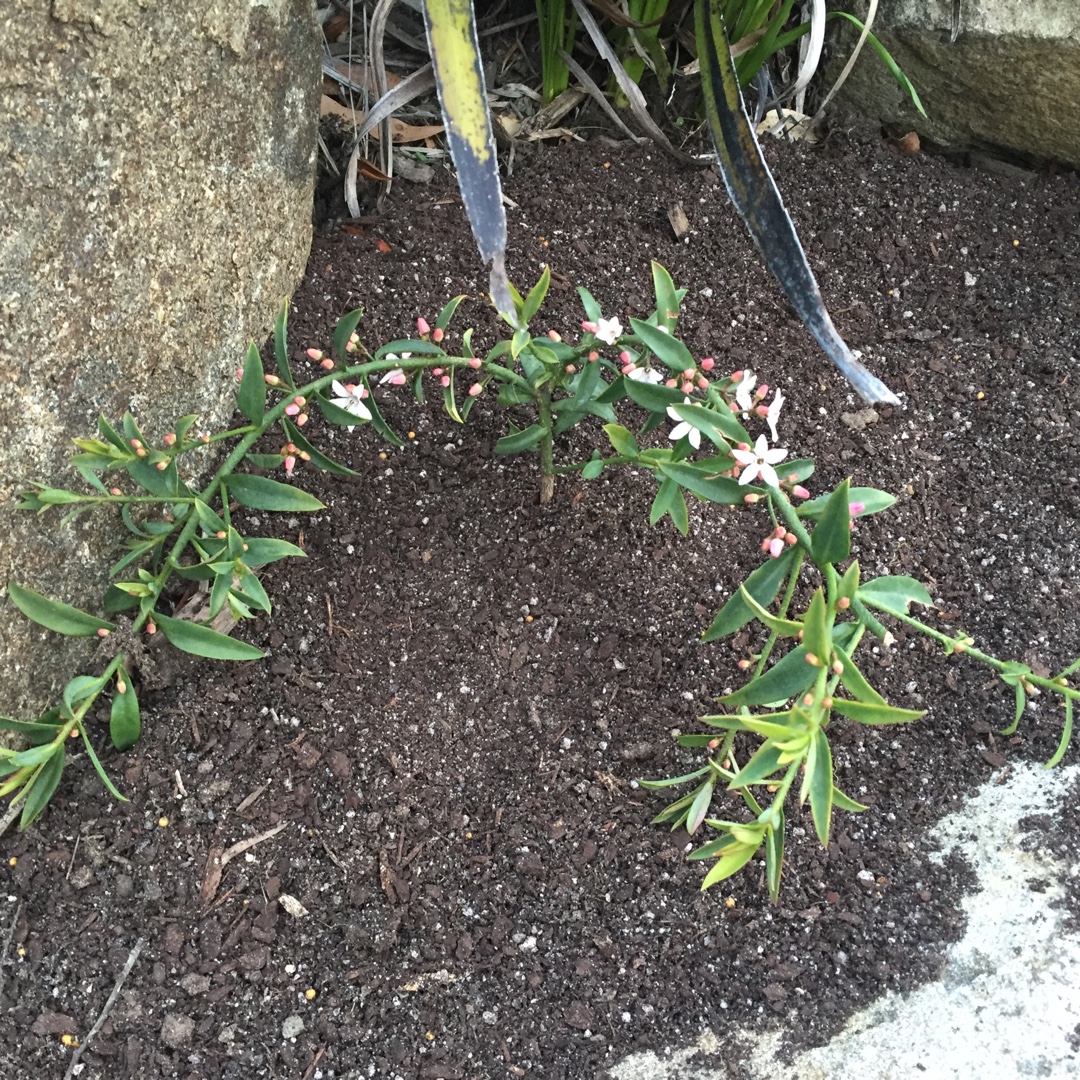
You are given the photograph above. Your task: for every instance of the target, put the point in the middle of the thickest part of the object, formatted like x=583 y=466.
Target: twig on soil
x=104 y=1014
x=9 y=817
x=310 y=1071
x=217 y=859
x=7 y=945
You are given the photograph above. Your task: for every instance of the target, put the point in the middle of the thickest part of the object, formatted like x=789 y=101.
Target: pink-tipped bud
x=475 y=362
x=292 y=409
x=399 y=379
x=800 y=492
x=703 y=383
x=422 y=326
x=221 y=534
x=302 y=419
x=687 y=387
x=239 y=374
x=300 y=400
x=808 y=700
x=790 y=539
x=103 y=631
x=438 y=334
x=844 y=603
x=121 y=686
x=303 y=455
x=570 y=369
x=744 y=664
x=766 y=543
x=315 y=354
x=151 y=628
x=141 y=452
x=589 y=327
x=271 y=380
x=290 y=464
x=837 y=667
x=594 y=356
x=751 y=499
x=737 y=376
x=776 y=548
x=436 y=371
x=170 y=439
x=327 y=364
x=625 y=357
x=670 y=383
x=115 y=491
x=708 y=364
x=161 y=466
x=856 y=508
x=744 y=446
x=135 y=444
x=476 y=388
x=445 y=381
x=554 y=335
x=761 y=410
x=205 y=439
x=812 y=660
x=689 y=373
x=761 y=391
x=780 y=531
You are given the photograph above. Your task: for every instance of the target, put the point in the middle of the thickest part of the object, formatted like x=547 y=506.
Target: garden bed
x=461 y=685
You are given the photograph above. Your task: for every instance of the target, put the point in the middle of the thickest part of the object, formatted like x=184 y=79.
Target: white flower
x=350 y=397
x=743 y=392
x=774 y=412
x=394 y=376
x=609 y=330
x=684 y=430
x=759 y=462
x=646 y=374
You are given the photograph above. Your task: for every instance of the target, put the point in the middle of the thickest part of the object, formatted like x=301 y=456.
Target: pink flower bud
x=670 y=382
x=315 y=354
x=625 y=357
x=302 y=419
x=205 y=439
x=687 y=387
x=151 y=628
x=445 y=381
x=708 y=364
x=292 y=409
x=737 y=376
x=398 y=380
x=689 y=373
x=628 y=367
x=221 y=534
x=436 y=371
x=115 y=491
x=303 y=455
x=475 y=362
x=161 y=466
x=779 y=531
x=327 y=364
x=422 y=326
x=300 y=400
x=800 y=492
x=751 y=498
x=476 y=388
x=743 y=446
x=589 y=327
x=761 y=391
x=103 y=631
x=271 y=380
x=761 y=410
x=239 y=374
x=766 y=544
x=438 y=334
x=554 y=335
x=170 y=439
x=856 y=508
x=570 y=369
x=593 y=356
x=744 y=664
x=290 y=464
x=141 y=452
x=790 y=539
x=135 y=444
x=703 y=383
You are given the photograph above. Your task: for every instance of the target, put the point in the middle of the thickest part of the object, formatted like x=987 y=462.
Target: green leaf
x=783 y=627
x=36 y=733
x=447 y=313
x=380 y=425
x=886 y=58
x=342 y=332
x=853 y=680
x=262 y=493
x=112 y=789
x=416 y=346
x=818 y=782
x=763 y=585
x=251 y=398
x=519 y=441
x=1066 y=736
x=318 y=458
x=592 y=469
x=849 y=583
x=845 y=802
x=774 y=856
x=281 y=345
x=34 y=756
x=623 y=443
x=587 y=381
x=869 y=712
x=831 y=539
x=650 y=396
x=893 y=593
x=699 y=807
x=124 y=718
x=43 y=787
x=536 y=297
x=817 y=636
x=667 y=301
x=701 y=478
x=80 y=688
x=202 y=641
x=265 y=461
x=761 y=767
x=254 y=592
x=671 y=352
x=208 y=519
x=262 y=550
x=63 y=618
x=731 y=863
x=669 y=500
x=873 y=500
x=719 y=426
x=671 y=781
x=790 y=676
x=109 y=432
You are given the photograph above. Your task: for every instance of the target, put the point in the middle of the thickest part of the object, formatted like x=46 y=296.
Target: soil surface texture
x=451 y=872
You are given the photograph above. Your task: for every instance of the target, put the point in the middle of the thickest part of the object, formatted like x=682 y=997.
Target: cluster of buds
x=777 y=540
x=692 y=377
x=321 y=359
x=289 y=453
x=423 y=328
x=444 y=379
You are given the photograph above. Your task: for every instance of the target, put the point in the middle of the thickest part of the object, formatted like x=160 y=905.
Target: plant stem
x=547 y=450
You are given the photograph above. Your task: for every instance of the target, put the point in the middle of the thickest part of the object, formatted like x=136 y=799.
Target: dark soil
x=461 y=685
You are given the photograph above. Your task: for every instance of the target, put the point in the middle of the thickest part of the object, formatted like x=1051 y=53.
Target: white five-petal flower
x=774 y=412
x=350 y=397
x=744 y=392
x=683 y=429
x=646 y=374
x=609 y=330
x=759 y=462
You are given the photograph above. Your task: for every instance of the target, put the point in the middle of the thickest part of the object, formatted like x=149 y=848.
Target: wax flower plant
x=179 y=532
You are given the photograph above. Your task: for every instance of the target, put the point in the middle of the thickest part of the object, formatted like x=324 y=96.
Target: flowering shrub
x=178 y=531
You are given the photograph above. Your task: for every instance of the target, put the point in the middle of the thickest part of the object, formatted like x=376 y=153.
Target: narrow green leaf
x=342 y=333
x=819 y=776
x=762 y=766
x=43 y=787
x=701 y=478
x=202 y=641
x=281 y=345
x=592 y=469
x=817 y=636
x=868 y=712
x=1066 y=736
x=262 y=493
x=699 y=807
x=254 y=591
x=669 y=500
x=783 y=627
x=52 y=614
x=318 y=458
x=667 y=301
x=849 y=584
x=763 y=585
x=112 y=789
x=873 y=502
x=845 y=802
x=265 y=461
x=718 y=425
x=251 y=398
x=34 y=756
x=519 y=441
x=729 y=864
x=831 y=539
x=208 y=519
x=536 y=297
x=416 y=346
x=593 y=312
x=623 y=443
x=262 y=550
x=752 y=190
x=788 y=677
x=447 y=313
x=587 y=380
x=853 y=680
x=669 y=350
x=80 y=688
x=35 y=732
x=774 y=856
x=671 y=781
x=124 y=716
